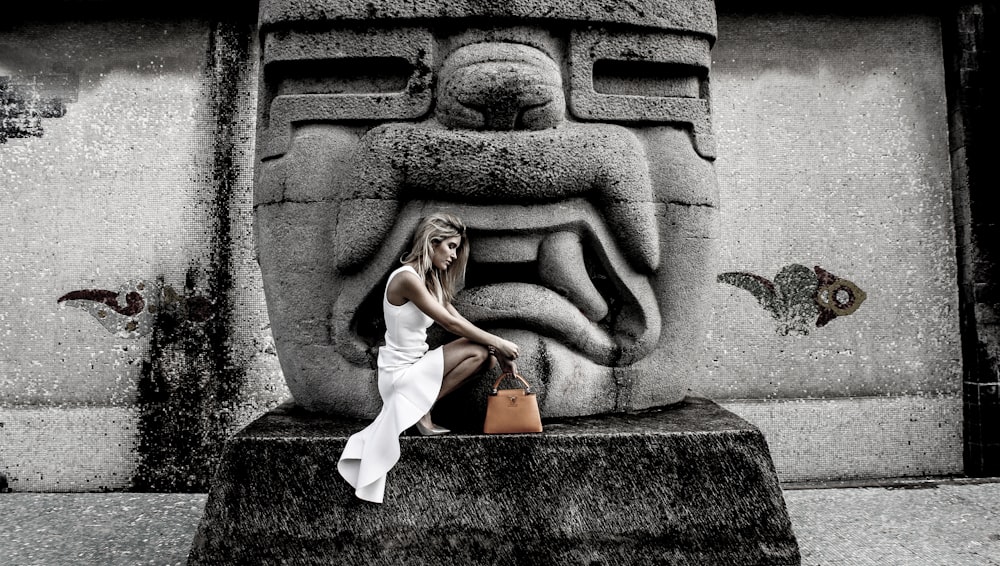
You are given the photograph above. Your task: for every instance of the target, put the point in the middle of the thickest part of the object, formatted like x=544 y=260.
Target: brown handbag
x=511 y=411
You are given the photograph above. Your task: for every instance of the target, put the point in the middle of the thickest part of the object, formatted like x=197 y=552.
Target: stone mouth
x=554 y=270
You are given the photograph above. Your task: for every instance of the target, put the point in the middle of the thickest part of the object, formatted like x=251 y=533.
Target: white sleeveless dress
x=409 y=380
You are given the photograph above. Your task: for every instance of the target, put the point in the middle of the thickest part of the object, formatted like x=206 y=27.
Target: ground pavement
x=951 y=522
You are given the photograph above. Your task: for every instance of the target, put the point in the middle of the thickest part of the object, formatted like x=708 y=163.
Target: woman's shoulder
x=404 y=269
x=402 y=285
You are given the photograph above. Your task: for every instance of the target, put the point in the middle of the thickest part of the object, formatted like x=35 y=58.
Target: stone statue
x=573 y=139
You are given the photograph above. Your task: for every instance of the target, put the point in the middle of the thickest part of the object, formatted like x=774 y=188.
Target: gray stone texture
x=697 y=16
x=584 y=176
x=690 y=485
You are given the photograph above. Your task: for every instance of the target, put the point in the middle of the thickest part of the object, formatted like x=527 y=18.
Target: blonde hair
x=432 y=230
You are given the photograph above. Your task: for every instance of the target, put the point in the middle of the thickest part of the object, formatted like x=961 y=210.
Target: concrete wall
x=121 y=183
x=833 y=152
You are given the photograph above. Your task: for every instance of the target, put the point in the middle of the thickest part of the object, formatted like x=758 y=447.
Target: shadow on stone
x=690 y=484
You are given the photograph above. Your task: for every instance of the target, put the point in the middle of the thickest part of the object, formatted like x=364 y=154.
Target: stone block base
x=690 y=484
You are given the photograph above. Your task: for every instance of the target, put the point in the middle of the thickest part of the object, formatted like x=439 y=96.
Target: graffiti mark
x=800 y=297
x=131 y=311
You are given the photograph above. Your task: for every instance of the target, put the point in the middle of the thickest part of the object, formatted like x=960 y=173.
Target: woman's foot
x=427 y=428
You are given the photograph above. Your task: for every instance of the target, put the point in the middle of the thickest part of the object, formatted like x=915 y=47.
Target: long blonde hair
x=432 y=230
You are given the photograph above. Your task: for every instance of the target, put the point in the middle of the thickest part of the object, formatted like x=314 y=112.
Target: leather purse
x=510 y=411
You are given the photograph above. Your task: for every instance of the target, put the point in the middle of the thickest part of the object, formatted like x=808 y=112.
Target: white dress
x=409 y=380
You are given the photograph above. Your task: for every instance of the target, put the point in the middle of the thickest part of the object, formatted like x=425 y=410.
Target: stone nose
x=500 y=86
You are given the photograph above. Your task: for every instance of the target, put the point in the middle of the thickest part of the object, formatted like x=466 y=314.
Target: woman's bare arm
x=408 y=286
x=506 y=362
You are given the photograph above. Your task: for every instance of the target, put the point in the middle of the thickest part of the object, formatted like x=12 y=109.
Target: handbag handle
x=496 y=385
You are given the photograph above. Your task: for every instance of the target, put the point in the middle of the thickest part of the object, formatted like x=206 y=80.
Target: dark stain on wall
x=192 y=385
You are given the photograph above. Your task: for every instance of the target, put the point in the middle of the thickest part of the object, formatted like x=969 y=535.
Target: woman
x=411 y=378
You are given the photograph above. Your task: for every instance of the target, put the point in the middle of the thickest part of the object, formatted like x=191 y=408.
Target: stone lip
x=689 y=484
x=697 y=16
x=514 y=304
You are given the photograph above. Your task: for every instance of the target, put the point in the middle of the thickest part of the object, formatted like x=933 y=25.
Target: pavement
x=945 y=522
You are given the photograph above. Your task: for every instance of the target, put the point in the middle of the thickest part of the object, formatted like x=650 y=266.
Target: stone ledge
x=692 y=484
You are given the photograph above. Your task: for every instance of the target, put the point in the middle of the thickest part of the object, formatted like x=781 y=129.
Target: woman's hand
x=507 y=365
x=506 y=352
x=507 y=349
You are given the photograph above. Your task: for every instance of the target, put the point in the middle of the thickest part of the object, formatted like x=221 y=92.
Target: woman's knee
x=462 y=351
x=479 y=354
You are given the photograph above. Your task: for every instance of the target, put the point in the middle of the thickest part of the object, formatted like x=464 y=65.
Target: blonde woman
x=411 y=378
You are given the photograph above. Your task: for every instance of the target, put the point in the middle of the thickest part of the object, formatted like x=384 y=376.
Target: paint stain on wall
x=131 y=310
x=800 y=298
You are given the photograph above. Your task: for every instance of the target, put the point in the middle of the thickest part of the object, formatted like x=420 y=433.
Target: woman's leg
x=462 y=360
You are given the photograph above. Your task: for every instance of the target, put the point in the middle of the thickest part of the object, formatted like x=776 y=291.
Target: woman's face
x=444 y=252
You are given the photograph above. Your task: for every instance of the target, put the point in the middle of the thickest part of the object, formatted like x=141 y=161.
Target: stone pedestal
x=691 y=484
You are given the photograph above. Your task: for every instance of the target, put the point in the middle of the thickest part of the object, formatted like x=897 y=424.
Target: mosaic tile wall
x=833 y=152
x=108 y=177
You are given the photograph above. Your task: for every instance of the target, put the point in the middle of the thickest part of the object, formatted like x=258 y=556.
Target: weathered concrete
x=689 y=484
x=132 y=316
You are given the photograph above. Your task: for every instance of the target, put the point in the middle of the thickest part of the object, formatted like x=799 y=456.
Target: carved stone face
x=574 y=144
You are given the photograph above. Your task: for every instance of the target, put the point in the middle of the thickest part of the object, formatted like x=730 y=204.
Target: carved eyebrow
x=342 y=74
x=618 y=76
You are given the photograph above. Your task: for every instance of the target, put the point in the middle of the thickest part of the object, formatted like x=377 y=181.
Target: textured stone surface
x=592 y=236
x=643 y=77
x=695 y=15
x=689 y=484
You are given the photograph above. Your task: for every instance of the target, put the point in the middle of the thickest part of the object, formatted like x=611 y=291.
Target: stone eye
x=648 y=78
x=345 y=75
